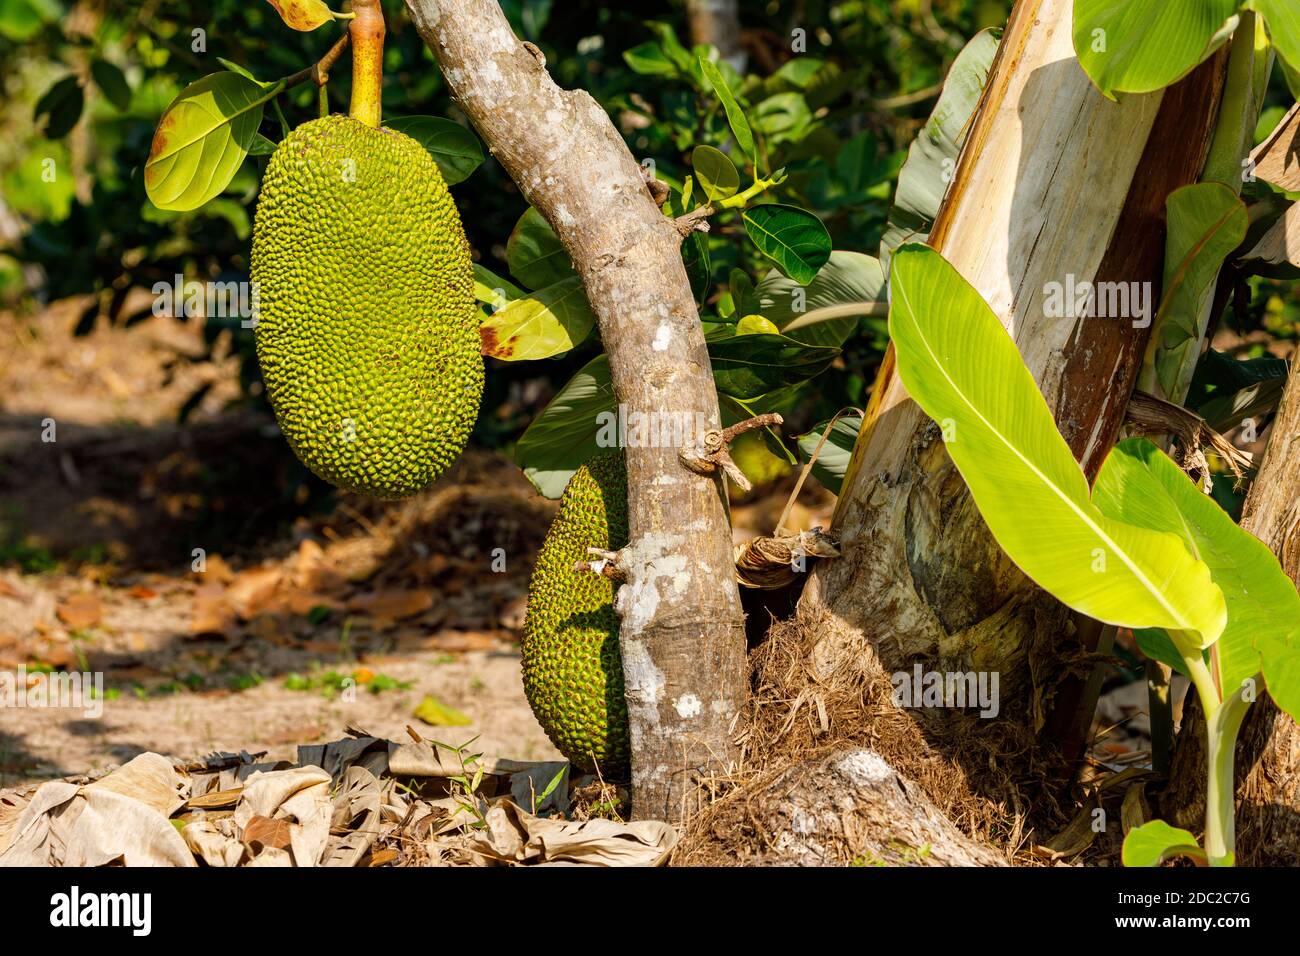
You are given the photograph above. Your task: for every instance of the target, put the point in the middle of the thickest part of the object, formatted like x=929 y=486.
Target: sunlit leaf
x=541 y=324
x=735 y=115
x=793 y=238
x=302 y=15
x=716 y=174
x=1156 y=841
x=958 y=363
x=202 y=139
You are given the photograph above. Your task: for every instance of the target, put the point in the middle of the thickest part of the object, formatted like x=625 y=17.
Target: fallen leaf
x=267 y=832
x=252 y=589
x=435 y=712
x=81 y=611
x=142 y=593
x=393 y=604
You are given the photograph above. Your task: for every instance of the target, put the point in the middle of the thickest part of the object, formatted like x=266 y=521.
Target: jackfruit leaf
x=234 y=67
x=672 y=47
x=699 y=268
x=744 y=296
x=783 y=117
x=433 y=711
x=112 y=83
x=538 y=325
x=747 y=366
x=961 y=367
x=535 y=254
x=1139 y=484
x=492 y=290
x=832 y=462
x=202 y=139
x=1156 y=841
x=61 y=106
x=456 y=150
x=755 y=325
x=1206 y=222
x=826 y=311
x=1139 y=46
x=649 y=59
x=1283 y=20
x=717 y=175
x=793 y=238
x=302 y=15
x=261 y=146
x=744 y=136
x=563 y=437
x=733 y=411
x=932 y=157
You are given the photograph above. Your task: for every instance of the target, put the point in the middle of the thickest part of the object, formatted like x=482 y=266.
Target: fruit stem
x=367 y=32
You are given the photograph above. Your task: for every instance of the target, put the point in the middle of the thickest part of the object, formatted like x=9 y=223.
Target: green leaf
x=61 y=104
x=717 y=174
x=544 y=323
x=1140 y=485
x=1156 y=841
x=793 y=238
x=671 y=46
x=826 y=311
x=748 y=366
x=261 y=146
x=961 y=367
x=833 y=460
x=1283 y=20
x=745 y=296
x=1158 y=646
x=799 y=71
x=535 y=254
x=455 y=149
x=735 y=115
x=234 y=67
x=493 y=290
x=563 y=437
x=112 y=83
x=203 y=138
x=303 y=15
x=782 y=117
x=1206 y=222
x=21 y=20
x=699 y=267
x=1139 y=46
x=932 y=157
x=649 y=59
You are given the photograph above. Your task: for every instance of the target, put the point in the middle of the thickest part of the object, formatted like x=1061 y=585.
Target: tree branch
x=682 y=631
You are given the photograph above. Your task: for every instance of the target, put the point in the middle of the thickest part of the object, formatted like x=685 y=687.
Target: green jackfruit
x=573 y=671
x=367 y=330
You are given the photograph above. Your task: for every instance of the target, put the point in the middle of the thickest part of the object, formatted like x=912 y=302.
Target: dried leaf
x=81 y=611
x=393 y=604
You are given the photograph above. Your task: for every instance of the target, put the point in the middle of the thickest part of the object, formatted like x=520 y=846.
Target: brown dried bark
x=682 y=632
x=1054 y=181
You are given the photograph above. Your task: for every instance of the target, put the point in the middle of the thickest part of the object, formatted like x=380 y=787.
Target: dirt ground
x=232 y=601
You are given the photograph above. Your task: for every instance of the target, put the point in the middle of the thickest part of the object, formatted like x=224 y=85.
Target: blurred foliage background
x=85 y=83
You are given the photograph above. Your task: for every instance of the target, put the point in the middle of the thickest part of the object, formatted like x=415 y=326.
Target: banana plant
x=1143 y=548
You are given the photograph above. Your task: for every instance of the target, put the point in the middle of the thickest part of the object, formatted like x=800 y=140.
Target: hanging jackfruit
x=572 y=667
x=367 y=330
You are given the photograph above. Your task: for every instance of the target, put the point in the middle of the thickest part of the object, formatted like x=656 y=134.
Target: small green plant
x=1144 y=548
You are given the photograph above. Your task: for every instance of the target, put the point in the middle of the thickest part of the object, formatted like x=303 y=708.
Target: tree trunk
x=717 y=23
x=682 y=631
x=1055 y=184
x=1268 y=751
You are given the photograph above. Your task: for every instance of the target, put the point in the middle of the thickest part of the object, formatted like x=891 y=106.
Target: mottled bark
x=1268 y=750
x=682 y=633
x=1055 y=184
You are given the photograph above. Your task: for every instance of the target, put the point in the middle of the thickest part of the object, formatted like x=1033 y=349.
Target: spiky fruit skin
x=367 y=330
x=573 y=671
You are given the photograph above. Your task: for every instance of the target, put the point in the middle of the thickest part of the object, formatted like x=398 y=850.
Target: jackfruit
x=367 y=330
x=572 y=667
